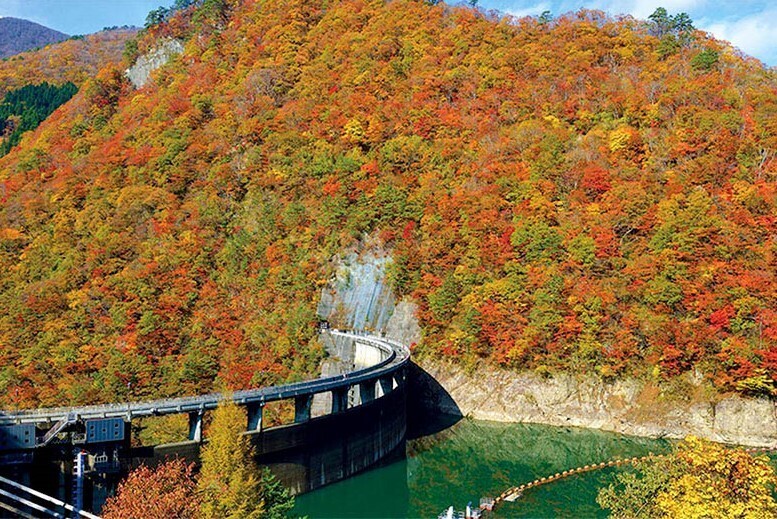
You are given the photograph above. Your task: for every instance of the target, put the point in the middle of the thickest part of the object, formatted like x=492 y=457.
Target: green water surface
x=472 y=459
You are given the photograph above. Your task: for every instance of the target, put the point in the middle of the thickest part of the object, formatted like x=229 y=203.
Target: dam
x=343 y=424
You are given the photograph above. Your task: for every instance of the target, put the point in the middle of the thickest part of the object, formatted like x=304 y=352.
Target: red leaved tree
x=159 y=493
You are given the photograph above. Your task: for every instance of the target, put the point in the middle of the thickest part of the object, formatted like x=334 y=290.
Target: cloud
x=644 y=8
x=753 y=34
x=532 y=10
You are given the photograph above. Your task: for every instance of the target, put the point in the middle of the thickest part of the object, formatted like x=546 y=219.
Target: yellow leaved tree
x=699 y=480
x=231 y=484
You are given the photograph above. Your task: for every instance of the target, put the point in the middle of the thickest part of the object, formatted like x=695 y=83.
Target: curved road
x=395 y=357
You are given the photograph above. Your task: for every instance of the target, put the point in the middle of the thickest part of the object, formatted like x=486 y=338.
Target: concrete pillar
x=385 y=385
x=254 y=412
x=366 y=391
x=195 y=426
x=302 y=408
x=340 y=399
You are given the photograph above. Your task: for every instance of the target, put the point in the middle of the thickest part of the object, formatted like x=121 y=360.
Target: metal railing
x=27 y=502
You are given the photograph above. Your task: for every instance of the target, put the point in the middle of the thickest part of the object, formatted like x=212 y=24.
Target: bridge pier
x=77 y=491
x=381 y=369
x=195 y=426
x=385 y=385
x=340 y=399
x=254 y=412
x=366 y=391
x=302 y=408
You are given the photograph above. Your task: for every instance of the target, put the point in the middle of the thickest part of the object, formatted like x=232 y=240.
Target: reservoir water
x=461 y=462
x=472 y=459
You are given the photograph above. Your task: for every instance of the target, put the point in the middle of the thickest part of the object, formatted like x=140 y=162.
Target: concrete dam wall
x=330 y=446
x=324 y=450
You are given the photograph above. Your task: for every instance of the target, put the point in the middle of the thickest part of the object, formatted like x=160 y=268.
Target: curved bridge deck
x=363 y=422
x=389 y=371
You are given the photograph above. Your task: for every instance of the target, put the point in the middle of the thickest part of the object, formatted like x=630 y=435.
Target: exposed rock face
x=139 y=73
x=627 y=407
x=360 y=298
x=403 y=325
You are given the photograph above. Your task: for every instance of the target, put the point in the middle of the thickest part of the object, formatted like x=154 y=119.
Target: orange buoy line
x=512 y=494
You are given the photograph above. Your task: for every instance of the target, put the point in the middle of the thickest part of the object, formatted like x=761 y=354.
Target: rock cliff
x=360 y=298
x=139 y=73
x=628 y=407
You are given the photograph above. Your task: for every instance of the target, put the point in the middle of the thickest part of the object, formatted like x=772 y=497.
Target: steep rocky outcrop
x=139 y=73
x=360 y=297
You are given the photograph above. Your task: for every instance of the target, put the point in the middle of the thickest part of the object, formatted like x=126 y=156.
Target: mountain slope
x=571 y=195
x=72 y=60
x=18 y=35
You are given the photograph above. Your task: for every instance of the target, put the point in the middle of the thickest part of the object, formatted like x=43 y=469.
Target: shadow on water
x=381 y=492
x=430 y=408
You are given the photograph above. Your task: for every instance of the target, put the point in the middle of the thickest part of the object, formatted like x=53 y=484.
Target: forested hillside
x=24 y=109
x=578 y=193
x=20 y=35
x=73 y=60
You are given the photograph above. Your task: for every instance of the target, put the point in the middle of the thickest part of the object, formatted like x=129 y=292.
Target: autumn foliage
x=163 y=492
x=229 y=483
x=565 y=194
x=700 y=479
x=73 y=60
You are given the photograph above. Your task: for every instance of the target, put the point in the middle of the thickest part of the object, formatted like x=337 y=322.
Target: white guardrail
x=28 y=502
